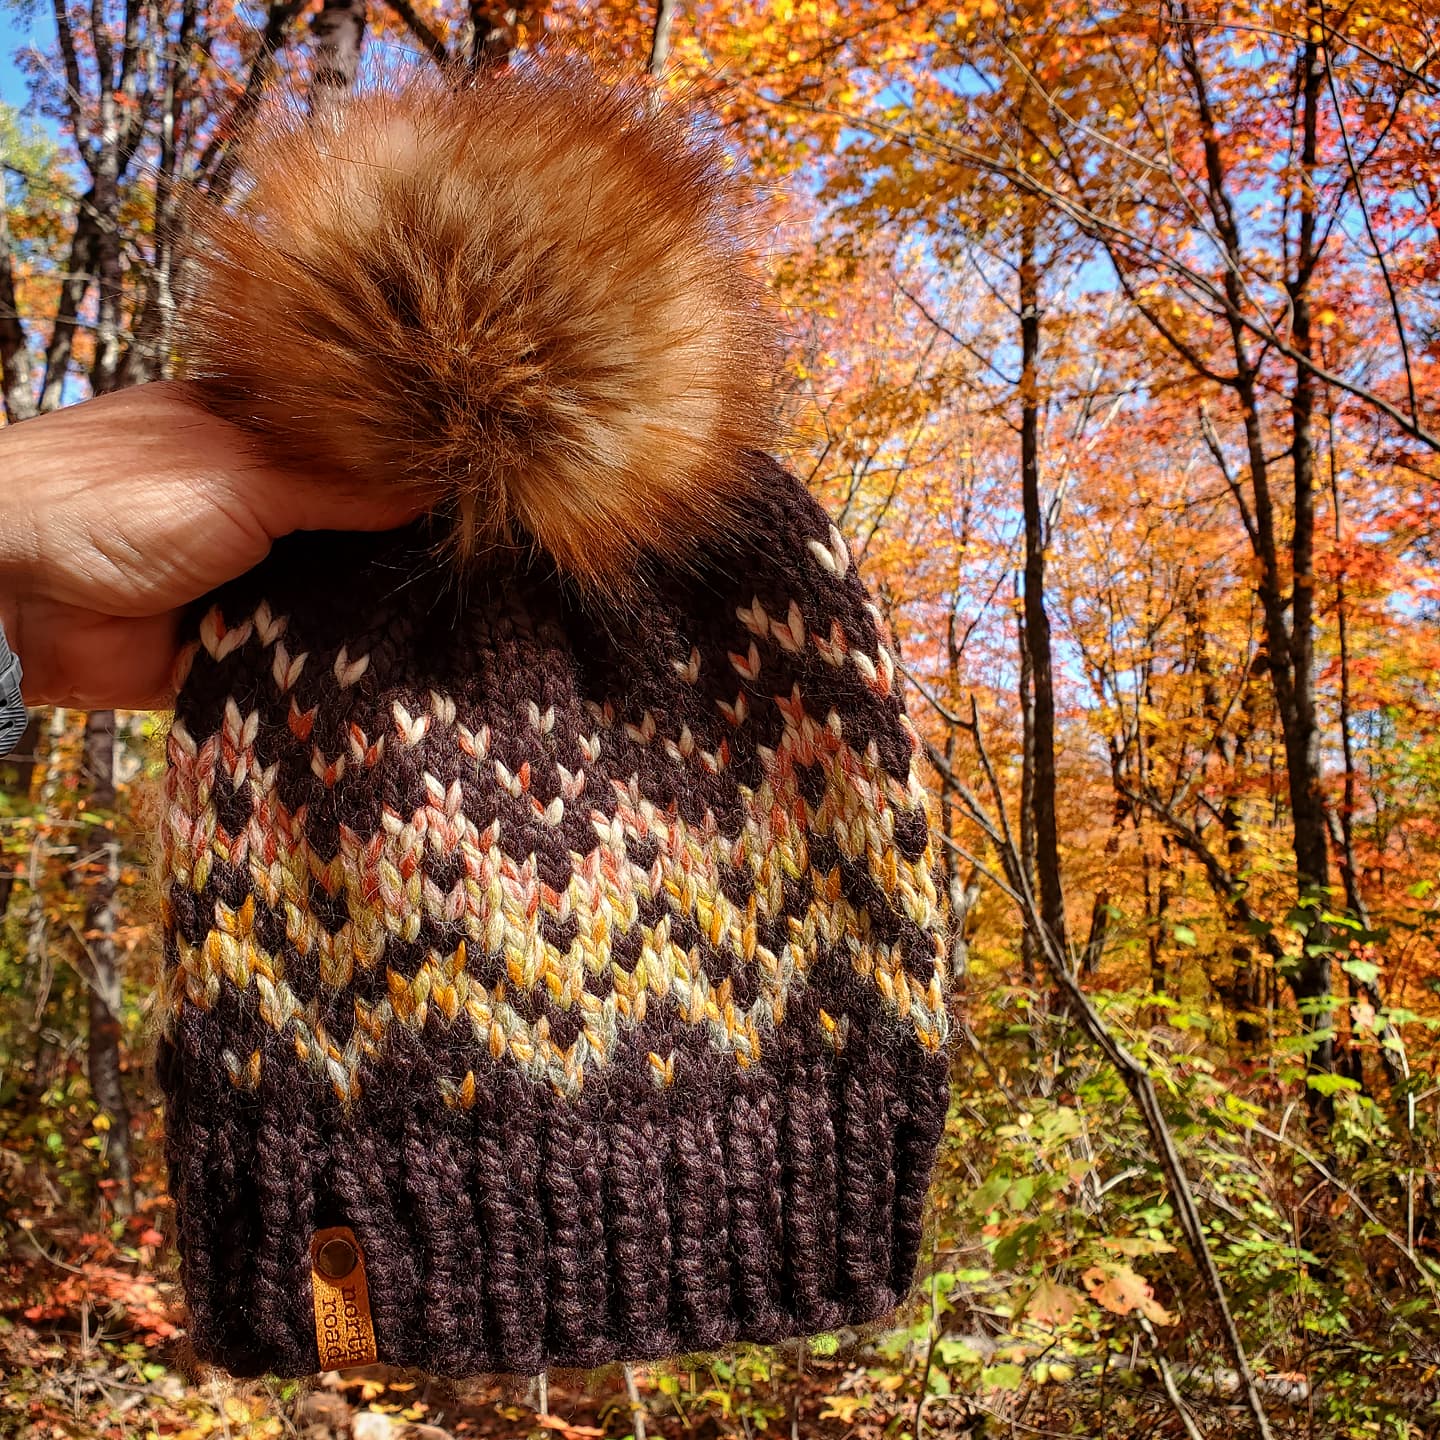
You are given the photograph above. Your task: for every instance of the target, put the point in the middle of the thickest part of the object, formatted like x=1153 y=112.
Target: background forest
x=1116 y=356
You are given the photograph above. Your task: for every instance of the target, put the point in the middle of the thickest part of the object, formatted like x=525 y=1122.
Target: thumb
x=283 y=502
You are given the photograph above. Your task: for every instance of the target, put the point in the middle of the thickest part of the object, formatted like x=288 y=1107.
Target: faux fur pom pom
x=534 y=297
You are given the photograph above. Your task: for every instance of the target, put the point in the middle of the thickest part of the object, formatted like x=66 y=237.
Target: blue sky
x=19 y=25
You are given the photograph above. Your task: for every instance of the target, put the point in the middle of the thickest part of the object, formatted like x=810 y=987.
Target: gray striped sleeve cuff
x=12 y=707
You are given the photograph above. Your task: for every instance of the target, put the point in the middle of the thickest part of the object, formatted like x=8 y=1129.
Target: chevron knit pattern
x=583 y=962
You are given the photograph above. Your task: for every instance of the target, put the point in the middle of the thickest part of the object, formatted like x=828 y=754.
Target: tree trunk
x=148 y=355
x=104 y=967
x=106 y=1046
x=72 y=295
x=39 y=958
x=1289 y=629
x=339 y=33
x=1037 y=622
x=494 y=32
x=109 y=269
x=1101 y=910
x=1029 y=945
x=215 y=170
x=17 y=774
x=1099 y=934
x=660 y=38
x=964 y=896
x=17 y=383
x=1155 y=940
x=1302 y=733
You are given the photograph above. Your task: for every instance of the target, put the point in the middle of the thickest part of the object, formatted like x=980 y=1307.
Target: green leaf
x=1184 y=935
x=1367 y=972
x=1001 y=1377
x=1007 y=1250
x=953 y=1353
x=1331 y=1084
x=988 y=1196
x=1020 y=1193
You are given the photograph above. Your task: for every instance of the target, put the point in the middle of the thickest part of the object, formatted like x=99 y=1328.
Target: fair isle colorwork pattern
x=582 y=960
x=498 y=900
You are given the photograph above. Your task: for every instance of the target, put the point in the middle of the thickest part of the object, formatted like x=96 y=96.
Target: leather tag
x=344 y=1334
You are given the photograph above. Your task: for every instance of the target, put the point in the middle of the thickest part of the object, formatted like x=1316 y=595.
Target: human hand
x=118 y=512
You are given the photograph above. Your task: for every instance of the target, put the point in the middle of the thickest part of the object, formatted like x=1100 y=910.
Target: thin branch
x=1117 y=239
x=981 y=868
x=1212 y=443
x=421 y=29
x=637 y=1406
x=1370 y=232
x=1225 y=885
x=957 y=340
x=216 y=166
x=939 y=706
x=1221 y=23
x=1427 y=1276
x=79 y=270
x=1167 y=1380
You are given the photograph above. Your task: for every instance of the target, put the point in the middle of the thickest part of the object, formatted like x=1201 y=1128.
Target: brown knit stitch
x=572 y=1190
x=700 y=1224
x=807 y=1146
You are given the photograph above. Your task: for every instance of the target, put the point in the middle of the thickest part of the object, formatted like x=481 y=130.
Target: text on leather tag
x=344 y=1334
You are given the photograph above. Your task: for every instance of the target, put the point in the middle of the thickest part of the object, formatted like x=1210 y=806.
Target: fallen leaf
x=1121 y=1291
x=1053 y=1304
x=569 y=1431
x=1137 y=1245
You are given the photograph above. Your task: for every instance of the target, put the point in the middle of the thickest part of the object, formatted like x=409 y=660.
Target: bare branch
x=1370 y=233
x=1118 y=241
x=420 y=28
x=1212 y=443
x=216 y=166
x=79 y=274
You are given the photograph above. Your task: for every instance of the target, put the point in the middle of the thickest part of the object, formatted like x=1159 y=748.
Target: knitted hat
x=552 y=974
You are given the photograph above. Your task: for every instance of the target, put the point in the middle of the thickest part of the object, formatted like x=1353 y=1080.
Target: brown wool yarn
x=548 y=899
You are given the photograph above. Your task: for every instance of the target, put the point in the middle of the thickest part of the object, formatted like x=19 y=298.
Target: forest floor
x=91 y=1349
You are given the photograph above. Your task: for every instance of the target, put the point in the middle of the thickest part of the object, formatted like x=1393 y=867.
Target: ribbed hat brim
x=631 y=1222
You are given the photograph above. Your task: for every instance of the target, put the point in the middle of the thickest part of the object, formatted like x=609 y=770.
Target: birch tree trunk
x=339 y=34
